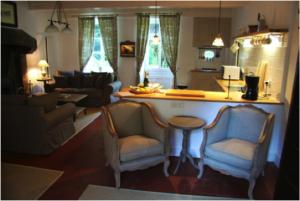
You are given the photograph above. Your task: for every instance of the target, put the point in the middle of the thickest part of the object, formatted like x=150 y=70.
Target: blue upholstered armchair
x=237 y=142
x=134 y=137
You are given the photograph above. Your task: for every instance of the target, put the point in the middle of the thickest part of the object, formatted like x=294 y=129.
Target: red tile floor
x=82 y=160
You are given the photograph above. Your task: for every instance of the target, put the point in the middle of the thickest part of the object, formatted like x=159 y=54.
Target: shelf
x=261 y=33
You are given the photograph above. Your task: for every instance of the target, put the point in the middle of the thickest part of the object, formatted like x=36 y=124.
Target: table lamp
x=44 y=66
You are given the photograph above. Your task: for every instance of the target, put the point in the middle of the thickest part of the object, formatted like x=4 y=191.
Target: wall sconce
x=60 y=13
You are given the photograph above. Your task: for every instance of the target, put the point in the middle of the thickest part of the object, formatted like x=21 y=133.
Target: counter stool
x=187 y=124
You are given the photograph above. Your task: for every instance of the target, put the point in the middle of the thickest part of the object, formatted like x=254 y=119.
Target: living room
x=63 y=53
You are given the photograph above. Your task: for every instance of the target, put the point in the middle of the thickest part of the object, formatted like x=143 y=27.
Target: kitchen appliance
x=233 y=71
x=252 y=87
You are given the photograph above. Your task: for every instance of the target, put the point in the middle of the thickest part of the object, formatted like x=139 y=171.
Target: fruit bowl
x=143 y=90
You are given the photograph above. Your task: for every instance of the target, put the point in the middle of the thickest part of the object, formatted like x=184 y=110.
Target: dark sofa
x=98 y=86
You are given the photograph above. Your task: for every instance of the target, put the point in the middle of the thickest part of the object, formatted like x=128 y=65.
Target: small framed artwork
x=127 y=49
x=9 y=14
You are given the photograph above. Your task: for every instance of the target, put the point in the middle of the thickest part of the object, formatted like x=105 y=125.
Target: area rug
x=25 y=182
x=93 y=192
x=84 y=120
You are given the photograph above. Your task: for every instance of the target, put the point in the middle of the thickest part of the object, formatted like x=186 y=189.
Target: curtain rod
x=115 y=15
x=96 y=15
x=175 y=13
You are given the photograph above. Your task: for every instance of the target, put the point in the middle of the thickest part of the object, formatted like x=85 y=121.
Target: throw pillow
x=100 y=80
x=47 y=101
x=88 y=81
x=61 y=81
x=64 y=73
x=75 y=81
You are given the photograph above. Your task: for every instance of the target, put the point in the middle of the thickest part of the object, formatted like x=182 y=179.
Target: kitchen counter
x=199 y=95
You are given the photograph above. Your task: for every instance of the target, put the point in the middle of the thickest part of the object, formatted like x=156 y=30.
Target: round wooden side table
x=187 y=124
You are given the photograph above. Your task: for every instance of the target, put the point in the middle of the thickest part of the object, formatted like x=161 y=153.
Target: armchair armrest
x=111 y=140
x=112 y=87
x=59 y=114
x=261 y=151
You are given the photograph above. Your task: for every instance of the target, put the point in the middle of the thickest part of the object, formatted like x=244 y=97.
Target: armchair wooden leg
x=200 y=168
x=117 y=179
x=251 y=188
x=166 y=166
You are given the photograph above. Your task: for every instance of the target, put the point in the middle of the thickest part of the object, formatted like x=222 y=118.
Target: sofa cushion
x=100 y=80
x=64 y=73
x=137 y=146
x=88 y=81
x=75 y=81
x=236 y=152
x=61 y=81
x=47 y=101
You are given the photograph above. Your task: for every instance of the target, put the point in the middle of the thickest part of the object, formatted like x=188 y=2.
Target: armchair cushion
x=236 y=152
x=47 y=101
x=137 y=146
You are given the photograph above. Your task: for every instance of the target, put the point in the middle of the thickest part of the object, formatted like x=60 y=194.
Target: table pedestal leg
x=184 y=152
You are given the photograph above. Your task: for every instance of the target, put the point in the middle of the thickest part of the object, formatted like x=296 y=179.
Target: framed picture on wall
x=127 y=49
x=9 y=14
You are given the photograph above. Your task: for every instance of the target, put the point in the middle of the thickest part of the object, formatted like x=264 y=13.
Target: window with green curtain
x=108 y=27
x=86 y=27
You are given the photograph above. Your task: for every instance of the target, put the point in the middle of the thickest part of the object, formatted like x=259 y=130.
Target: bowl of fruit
x=140 y=89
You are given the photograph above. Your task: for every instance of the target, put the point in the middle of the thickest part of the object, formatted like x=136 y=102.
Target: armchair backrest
x=127 y=118
x=246 y=122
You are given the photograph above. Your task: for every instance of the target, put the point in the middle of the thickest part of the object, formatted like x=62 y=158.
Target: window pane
x=98 y=61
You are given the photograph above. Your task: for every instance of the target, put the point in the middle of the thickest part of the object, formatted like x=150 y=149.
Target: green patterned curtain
x=142 y=37
x=108 y=28
x=86 y=27
x=169 y=25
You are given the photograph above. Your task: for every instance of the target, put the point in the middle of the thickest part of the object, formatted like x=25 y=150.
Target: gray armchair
x=237 y=142
x=34 y=125
x=134 y=137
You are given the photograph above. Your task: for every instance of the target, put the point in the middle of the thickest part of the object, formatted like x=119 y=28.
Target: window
x=154 y=56
x=98 y=61
x=154 y=61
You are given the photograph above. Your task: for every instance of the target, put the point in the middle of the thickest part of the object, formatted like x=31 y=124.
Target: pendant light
x=218 y=41
x=52 y=28
x=156 y=39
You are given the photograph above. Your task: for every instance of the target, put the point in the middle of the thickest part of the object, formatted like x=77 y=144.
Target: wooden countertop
x=197 y=95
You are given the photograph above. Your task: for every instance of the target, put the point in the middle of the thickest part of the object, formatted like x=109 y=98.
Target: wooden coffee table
x=73 y=98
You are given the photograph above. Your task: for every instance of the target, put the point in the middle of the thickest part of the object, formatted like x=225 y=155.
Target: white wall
x=278 y=14
x=63 y=49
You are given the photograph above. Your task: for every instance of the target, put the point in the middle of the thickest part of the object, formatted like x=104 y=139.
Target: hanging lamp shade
x=218 y=41
x=61 y=20
x=67 y=29
x=156 y=39
x=51 y=28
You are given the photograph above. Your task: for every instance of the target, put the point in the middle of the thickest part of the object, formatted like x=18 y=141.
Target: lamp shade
x=218 y=42
x=43 y=64
x=67 y=29
x=156 y=39
x=51 y=28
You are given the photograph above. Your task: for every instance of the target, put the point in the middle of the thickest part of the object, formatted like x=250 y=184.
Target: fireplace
x=15 y=44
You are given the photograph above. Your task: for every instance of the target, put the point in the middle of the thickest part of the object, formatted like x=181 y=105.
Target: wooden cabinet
x=204 y=81
x=206 y=29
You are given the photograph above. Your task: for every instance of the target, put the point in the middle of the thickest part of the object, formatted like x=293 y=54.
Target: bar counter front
x=205 y=105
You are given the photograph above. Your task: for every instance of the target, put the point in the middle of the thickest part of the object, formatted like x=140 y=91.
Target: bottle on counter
x=146 y=80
